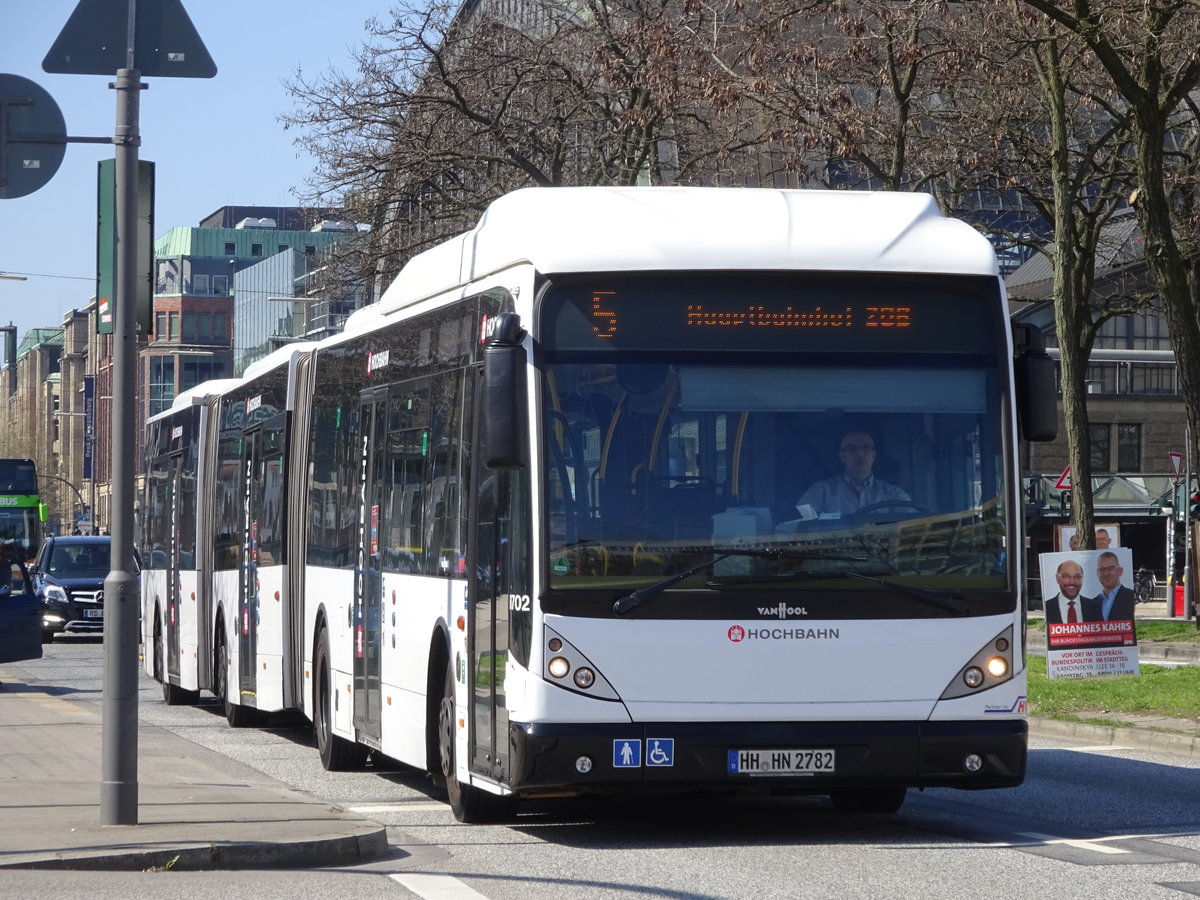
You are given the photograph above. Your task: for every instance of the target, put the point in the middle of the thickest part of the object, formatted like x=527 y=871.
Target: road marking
x=395 y=807
x=436 y=887
x=1070 y=842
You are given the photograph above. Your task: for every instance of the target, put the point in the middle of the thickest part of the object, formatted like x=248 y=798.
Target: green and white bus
x=21 y=509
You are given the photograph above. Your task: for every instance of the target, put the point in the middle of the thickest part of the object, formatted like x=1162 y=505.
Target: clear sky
x=214 y=141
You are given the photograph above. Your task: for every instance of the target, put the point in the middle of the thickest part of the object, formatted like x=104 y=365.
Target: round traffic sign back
x=32 y=137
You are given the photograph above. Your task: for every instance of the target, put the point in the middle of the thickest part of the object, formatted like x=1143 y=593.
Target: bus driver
x=856 y=488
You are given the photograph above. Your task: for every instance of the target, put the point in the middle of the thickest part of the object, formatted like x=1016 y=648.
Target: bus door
x=247 y=627
x=368 y=571
x=173 y=611
x=498 y=564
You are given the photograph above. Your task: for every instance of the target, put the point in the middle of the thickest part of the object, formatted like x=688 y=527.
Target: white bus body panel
x=695 y=671
x=269 y=648
x=189 y=630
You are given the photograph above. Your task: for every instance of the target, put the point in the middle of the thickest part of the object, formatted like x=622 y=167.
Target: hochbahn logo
x=737 y=634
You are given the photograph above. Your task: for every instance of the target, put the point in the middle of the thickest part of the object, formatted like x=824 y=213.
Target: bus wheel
x=337 y=753
x=868 y=800
x=173 y=694
x=236 y=715
x=468 y=803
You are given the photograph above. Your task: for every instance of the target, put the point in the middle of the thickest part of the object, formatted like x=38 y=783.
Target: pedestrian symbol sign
x=627 y=753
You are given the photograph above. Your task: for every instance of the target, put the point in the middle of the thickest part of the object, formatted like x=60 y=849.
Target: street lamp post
x=78 y=495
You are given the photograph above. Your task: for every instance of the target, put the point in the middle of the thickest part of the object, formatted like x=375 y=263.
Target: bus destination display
x=769 y=312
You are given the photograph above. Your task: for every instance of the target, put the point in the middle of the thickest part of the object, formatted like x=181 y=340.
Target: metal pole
x=119 y=747
x=1187 y=521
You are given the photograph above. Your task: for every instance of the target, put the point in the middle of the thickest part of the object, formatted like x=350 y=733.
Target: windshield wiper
x=641 y=595
x=954 y=603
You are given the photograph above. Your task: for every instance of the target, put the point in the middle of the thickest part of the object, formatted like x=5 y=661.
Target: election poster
x=1089 y=607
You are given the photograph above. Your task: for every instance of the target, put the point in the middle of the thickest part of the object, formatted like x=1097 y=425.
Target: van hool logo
x=782 y=611
x=737 y=633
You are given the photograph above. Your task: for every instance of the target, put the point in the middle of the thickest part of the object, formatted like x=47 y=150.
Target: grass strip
x=1158 y=691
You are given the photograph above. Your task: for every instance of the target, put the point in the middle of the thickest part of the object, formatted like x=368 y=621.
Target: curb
x=1135 y=738
x=334 y=851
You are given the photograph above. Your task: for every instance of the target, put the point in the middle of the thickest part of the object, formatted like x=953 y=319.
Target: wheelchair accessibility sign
x=660 y=751
x=627 y=753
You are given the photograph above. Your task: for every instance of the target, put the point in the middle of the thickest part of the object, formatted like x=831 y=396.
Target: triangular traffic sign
x=1064 y=480
x=95 y=41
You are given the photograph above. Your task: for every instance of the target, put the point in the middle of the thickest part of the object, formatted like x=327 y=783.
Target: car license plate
x=781 y=762
x=94 y=613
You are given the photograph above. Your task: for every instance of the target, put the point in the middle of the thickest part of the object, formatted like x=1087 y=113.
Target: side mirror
x=1037 y=390
x=504 y=384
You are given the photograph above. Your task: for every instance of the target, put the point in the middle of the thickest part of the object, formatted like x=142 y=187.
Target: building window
x=1129 y=447
x=198 y=369
x=199 y=284
x=162 y=383
x=160 y=327
x=282 y=247
x=1151 y=378
x=221 y=285
x=230 y=248
x=256 y=249
x=173 y=325
x=1099 y=437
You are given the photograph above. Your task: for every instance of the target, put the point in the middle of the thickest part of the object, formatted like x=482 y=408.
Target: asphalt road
x=1096 y=822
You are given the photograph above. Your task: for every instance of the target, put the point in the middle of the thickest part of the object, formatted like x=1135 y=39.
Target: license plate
x=93 y=613
x=781 y=762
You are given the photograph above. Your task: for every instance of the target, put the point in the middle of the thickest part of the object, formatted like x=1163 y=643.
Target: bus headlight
x=566 y=667
x=992 y=665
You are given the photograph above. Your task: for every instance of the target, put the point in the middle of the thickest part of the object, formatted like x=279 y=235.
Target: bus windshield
x=768 y=457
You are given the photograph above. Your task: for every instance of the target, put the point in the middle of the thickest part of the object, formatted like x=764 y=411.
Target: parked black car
x=68 y=577
x=20 y=612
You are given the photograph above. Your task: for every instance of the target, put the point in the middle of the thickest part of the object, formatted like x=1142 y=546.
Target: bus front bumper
x=722 y=755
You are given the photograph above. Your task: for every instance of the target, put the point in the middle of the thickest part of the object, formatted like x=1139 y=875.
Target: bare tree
x=1149 y=52
x=1057 y=138
x=850 y=93
x=450 y=106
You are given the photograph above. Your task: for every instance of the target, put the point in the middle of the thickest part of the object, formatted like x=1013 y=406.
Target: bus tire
x=877 y=800
x=172 y=694
x=468 y=803
x=236 y=715
x=337 y=753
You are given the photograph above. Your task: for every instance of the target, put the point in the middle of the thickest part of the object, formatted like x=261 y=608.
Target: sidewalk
x=197 y=809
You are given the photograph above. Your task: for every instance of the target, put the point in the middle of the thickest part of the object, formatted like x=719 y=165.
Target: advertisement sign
x=1089 y=605
x=1108 y=536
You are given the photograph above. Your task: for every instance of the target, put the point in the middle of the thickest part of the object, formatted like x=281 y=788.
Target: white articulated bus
x=215 y=494
x=176 y=564
x=555 y=514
